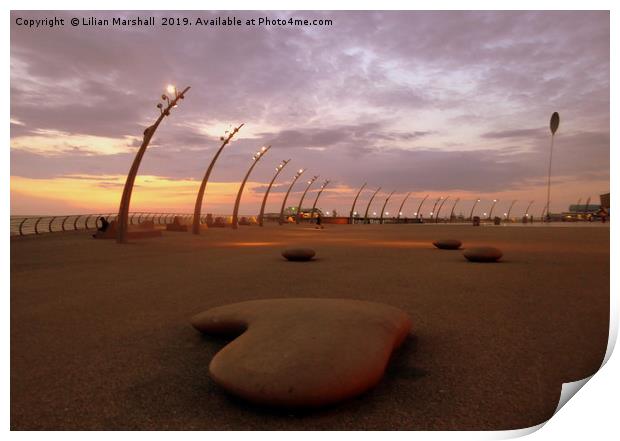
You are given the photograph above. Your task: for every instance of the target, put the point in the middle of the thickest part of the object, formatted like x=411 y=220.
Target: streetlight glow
x=171 y=89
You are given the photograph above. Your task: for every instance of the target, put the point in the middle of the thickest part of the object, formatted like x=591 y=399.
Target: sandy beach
x=100 y=337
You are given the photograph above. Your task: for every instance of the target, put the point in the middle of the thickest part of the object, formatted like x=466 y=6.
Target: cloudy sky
x=441 y=103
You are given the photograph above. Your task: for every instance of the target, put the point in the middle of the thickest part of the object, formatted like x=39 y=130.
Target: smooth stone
x=298 y=254
x=448 y=244
x=303 y=352
x=482 y=254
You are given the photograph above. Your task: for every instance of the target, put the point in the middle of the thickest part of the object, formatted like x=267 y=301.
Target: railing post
x=49 y=226
x=36 y=224
x=63 y=223
x=21 y=224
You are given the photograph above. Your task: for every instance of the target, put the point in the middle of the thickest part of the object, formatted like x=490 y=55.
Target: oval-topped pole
x=554 y=124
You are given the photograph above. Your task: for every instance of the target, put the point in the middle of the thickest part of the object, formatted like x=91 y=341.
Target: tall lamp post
x=123 y=211
x=384 y=205
x=402 y=204
x=554 y=123
x=439 y=209
x=435 y=206
x=471 y=213
x=419 y=212
x=319 y=195
x=262 y=207
x=301 y=201
x=492 y=207
x=354 y=201
x=203 y=185
x=297 y=175
x=510 y=208
x=527 y=210
x=453 y=207
x=366 y=220
x=255 y=159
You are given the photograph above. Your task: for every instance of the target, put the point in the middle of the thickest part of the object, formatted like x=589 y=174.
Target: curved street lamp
x=318 y=195
x=439 y=209
x=491 y=210
x=301 y=201
x=527 y=210
x=435 y=206
x=400 y=209
x=255 y=159
x=368 y=206
x=419 y=212
x=453 y=207
x=123 y=211
x=354 y=201
x=203 y=185
x=510 y=209
x=471 y=213
x=262 y=207
x=554 y=123
x=384 y=204
x=297 y=175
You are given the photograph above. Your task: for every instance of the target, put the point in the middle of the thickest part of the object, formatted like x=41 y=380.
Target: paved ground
x=100 y=337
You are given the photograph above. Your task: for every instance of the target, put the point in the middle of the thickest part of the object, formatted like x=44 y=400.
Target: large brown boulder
x=482 y=254
x=448 y=244
x=303 y=352
x=298 y=254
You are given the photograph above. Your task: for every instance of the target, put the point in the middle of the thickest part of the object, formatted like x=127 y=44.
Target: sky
x=445 y=104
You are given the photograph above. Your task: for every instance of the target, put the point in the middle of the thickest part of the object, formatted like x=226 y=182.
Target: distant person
x=101 y=229
x=104 y=224
x=319 y=221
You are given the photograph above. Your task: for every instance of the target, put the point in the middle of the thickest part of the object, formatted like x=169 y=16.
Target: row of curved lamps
x=172 y=101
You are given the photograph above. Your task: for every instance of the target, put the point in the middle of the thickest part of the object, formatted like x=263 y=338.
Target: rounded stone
x=303 y=352
x=298 y=254
x=482 y=254
x=448 y=244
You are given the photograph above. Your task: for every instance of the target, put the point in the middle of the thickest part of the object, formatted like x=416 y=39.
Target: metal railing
x=26 y=225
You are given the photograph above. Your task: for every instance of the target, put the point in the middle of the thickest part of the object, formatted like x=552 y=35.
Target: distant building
x=582 y=208
x=605 y=201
